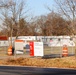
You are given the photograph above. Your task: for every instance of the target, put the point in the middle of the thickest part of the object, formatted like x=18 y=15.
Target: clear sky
x=38 y=6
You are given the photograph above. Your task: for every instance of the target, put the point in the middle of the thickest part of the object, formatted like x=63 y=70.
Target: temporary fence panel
x=4 y=43
x=3 y=50
x=19 y=46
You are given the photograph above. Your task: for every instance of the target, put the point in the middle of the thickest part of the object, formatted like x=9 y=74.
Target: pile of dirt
x=65 y=62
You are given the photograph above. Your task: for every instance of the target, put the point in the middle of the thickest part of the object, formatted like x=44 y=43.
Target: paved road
x=13 y=70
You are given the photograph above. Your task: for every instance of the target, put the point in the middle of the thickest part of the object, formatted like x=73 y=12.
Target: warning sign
x=36 y=49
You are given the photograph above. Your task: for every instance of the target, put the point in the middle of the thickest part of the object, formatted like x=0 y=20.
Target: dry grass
x=66 y=62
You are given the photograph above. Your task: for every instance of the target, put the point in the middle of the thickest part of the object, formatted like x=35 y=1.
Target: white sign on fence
x=19 y=46
x=36 y=49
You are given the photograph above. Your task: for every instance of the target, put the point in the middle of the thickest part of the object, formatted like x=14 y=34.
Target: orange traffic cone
x=65 y=51
x=10 y=50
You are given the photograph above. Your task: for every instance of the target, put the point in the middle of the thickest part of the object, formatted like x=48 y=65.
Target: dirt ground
x=64 y=62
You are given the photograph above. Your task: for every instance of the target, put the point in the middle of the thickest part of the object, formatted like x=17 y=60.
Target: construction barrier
x=65 y=51
x=10 y=50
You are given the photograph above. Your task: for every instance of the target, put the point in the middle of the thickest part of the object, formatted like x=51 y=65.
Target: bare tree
x=5 y=3
x=41 y=26
x=56 y=25
x=52 y=24
x=11 y=13
x=67 y=8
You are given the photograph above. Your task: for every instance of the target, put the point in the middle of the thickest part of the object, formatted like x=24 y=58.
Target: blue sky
x=38 y=6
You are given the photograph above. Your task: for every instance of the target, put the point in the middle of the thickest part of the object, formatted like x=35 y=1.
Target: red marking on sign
x=19 y=41
x=31 y=48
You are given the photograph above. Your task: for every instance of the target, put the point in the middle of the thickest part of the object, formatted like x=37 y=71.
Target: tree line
x=13 y=15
